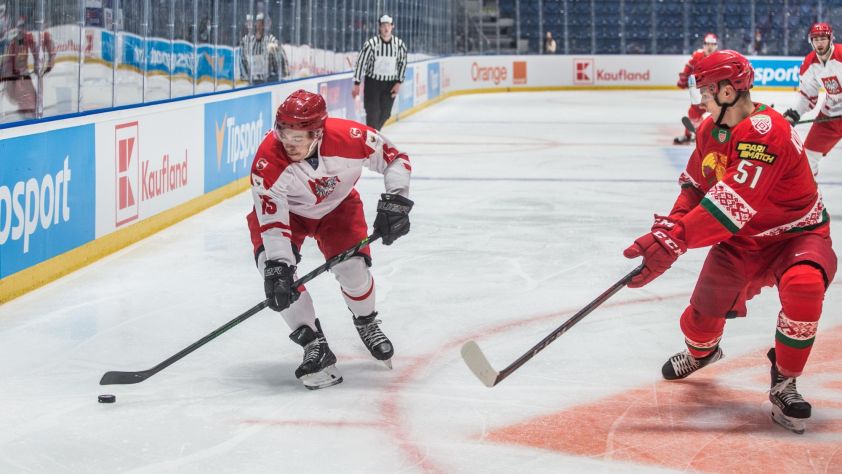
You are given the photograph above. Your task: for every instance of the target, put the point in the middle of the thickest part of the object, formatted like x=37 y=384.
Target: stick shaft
x=567 y=324
x=135 y=377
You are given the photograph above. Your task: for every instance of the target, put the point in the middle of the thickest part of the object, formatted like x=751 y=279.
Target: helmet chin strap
x=724 y=107
x=315 y=145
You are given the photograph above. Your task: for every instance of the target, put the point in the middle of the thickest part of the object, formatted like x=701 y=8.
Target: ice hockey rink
x=524 y=203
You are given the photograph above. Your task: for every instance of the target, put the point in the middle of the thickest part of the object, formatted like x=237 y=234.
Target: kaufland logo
x=583 y=71
x=127 y=155
x=139 y=180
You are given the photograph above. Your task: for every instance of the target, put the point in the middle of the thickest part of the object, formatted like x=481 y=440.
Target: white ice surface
x=524 y=203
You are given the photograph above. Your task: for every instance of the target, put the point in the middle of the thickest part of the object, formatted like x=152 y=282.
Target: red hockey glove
x=663 y=222
x=659 y=250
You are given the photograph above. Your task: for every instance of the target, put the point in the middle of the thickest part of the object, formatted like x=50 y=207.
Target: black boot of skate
x=683 y=364
x=789 y=409
x=375 y=341
x=318 y=370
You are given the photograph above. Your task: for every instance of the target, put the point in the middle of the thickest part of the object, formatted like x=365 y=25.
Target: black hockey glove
x=392 y=219
x=278 y=278
x=792 y=116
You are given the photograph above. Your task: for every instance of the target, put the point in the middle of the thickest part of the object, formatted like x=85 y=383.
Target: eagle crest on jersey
x=323 y=187
x=713 y=166
x=761 y=123
x=831 y=84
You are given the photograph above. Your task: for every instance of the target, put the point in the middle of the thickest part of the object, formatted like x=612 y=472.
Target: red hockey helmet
x=820 y=29
x=725 y=65
x=302 y=110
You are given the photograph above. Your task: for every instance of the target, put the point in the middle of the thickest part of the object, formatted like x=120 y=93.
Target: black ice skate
x=683 y=140
x=683 y=364
x=318 y=370
x=375 y=341
x=789 y=409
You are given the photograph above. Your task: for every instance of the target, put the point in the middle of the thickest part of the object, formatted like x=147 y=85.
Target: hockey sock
x=701 y=333
x=802 y=293
x=301 y=313
x=357 y=285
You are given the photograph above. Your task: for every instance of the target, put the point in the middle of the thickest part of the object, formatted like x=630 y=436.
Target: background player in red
x=749 y=193
x=695 y=113
x=303 y=179
x=821 y=68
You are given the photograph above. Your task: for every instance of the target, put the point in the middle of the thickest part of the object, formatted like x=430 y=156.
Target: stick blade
x=124 y=378
x=479 y=365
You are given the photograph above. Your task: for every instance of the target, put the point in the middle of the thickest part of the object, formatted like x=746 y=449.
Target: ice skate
x=683 y=140
x=683 y=364
x=318 y=370
x=789 y=409
x=375 y=341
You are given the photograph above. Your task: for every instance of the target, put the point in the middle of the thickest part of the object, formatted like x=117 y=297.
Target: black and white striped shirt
x=393 y=52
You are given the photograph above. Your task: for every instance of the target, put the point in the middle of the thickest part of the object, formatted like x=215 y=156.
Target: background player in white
x=303 y=179
x=821 y=68
x=695 y=113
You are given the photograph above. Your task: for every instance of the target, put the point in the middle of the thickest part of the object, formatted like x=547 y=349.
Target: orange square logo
x=519 y=72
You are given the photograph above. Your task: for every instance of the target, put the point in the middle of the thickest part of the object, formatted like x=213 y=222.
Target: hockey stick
x=123 y=378
x=818 y=120
x=479 y=365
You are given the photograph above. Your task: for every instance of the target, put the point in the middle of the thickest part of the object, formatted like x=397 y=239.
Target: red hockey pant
x=801 y=267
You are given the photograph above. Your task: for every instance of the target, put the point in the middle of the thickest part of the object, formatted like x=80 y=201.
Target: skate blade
x=796 y=425
x=328 y=377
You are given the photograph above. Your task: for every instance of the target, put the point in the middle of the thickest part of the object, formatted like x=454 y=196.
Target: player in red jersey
x=749 y=193
x=822 y=68
x=695 y=113
x=303 y=179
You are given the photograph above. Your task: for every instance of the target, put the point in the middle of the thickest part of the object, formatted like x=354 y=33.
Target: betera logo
x=127 y=171
x=583 y=71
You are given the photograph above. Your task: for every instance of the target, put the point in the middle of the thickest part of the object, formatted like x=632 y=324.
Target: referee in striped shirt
x=382 y=61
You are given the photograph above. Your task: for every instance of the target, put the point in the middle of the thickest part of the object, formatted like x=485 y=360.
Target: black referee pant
x=378 y=100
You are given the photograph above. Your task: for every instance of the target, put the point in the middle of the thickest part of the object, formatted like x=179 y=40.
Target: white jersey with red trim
x=281 y=186
x=814 y=76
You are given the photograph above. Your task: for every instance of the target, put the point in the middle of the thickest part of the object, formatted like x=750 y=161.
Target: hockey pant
x=337 y=231
x=730 y=277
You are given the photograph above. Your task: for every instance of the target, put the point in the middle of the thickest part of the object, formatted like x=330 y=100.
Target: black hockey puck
x=107 y=399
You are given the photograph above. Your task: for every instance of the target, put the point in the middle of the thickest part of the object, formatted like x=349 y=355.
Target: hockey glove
x=659 y=250
x=278 y=278
x=792 y=116
x=392 y=219
x=665 y=223
x=682 y=81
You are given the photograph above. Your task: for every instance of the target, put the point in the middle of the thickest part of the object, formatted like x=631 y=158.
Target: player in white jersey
x=303 y=179
x=821 y=68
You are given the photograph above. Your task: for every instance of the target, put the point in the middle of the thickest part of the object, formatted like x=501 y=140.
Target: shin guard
x=802 y=294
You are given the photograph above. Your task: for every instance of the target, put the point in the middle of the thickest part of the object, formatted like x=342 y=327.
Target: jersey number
x=268 y=206
x=746 y=168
